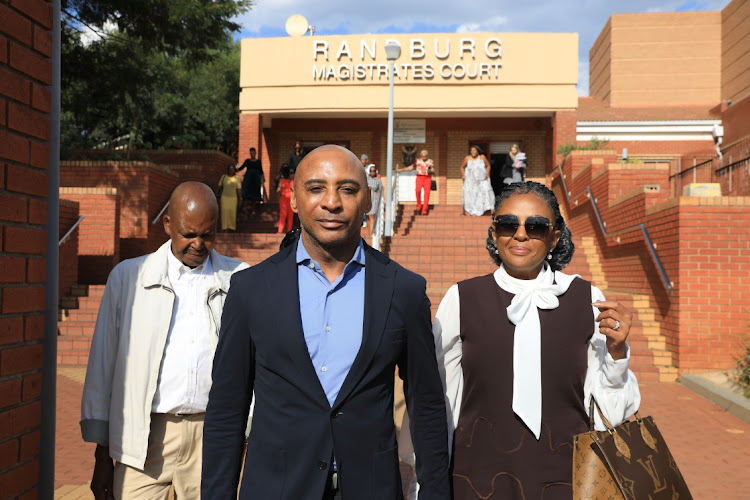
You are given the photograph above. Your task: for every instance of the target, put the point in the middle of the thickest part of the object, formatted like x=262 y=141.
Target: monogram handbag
x=630 y=461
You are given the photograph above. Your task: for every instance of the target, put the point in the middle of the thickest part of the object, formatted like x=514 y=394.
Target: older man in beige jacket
x=149 y=371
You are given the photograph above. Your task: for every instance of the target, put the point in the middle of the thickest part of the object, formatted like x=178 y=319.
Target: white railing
x=377 y=235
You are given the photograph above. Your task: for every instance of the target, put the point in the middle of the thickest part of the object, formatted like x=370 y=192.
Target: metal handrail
x=161 y=212
x=596 y=210
x=70 y=231
x=657 y=261
x=565 y=186
x=649 y=243
x=693 y=168
x=729 y=169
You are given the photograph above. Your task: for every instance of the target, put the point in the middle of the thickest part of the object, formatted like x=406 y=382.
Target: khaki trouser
x=175 y=447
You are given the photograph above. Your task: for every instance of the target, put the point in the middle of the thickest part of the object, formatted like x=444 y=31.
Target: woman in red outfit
x=286 y=182
x=425 y=170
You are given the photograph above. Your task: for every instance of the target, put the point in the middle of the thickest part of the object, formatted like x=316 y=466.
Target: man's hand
x=101 y=483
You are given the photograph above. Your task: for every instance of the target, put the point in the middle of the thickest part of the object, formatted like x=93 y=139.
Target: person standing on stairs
x=425 y=168
x=252 y=184
x=376 y=191
x=230 y=188
x=530 y=373
x=149 y=369
x=284 y=190
x=477 y=196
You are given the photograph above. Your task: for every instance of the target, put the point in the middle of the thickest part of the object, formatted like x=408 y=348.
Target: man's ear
x=167 y=224
x=293 y=201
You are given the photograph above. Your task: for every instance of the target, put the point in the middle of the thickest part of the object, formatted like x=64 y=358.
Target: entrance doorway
x=497 y=153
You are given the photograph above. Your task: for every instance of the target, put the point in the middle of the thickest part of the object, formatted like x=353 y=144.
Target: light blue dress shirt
x=332 y=317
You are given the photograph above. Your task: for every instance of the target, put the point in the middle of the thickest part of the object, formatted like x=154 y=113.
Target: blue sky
x=340 y=17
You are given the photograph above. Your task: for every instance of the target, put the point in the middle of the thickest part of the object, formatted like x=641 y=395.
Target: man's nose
x=332 y=200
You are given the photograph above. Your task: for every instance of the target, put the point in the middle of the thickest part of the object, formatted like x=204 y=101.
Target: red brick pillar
x=25 y=102
x=563 y=130
x=252 y=135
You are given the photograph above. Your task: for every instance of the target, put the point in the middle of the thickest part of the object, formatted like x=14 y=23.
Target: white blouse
x=610 y=381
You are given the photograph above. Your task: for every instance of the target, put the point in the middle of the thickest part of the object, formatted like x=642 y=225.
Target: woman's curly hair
x=563 y=252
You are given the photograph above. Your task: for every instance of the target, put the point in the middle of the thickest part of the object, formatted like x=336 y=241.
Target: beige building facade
x=661 y=85
x=451 y=91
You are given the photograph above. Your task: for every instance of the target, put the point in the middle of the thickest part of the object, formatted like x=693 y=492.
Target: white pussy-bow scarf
x=523 y=311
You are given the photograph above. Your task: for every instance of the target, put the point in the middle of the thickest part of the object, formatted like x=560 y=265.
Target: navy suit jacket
x=295 y=431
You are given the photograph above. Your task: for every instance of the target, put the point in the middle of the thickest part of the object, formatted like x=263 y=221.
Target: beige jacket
x=127 y=348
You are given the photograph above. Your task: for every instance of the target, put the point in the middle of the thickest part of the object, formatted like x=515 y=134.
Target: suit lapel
x=379 y=283
x=290 y=325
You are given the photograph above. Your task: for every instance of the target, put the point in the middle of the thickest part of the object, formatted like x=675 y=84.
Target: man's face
x=192 y=233
x=331 y=196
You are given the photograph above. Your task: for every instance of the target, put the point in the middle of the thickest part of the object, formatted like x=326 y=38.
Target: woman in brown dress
x=521 y=352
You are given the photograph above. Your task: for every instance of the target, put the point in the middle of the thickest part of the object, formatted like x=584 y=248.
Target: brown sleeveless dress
x=495 y=456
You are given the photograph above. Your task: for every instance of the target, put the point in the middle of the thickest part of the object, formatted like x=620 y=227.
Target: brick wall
x=705 y=318
x=679 y=148
x=736 y=121
x=714 y=277
x=143 y=189
x=68 y=255
x=160 y=187
x=98 y=240
x=564 y=126
x=198 y=165
x=25 y=77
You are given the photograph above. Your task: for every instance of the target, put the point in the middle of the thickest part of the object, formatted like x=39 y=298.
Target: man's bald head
x=326 y=155
x=190 y=222
x=190 y=197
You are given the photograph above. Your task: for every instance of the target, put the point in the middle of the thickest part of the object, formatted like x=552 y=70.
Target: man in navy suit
x=317 y=331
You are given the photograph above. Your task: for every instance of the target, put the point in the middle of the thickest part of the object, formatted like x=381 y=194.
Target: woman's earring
x=549 y=255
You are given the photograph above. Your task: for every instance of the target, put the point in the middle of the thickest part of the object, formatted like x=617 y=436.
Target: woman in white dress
x=478 y=197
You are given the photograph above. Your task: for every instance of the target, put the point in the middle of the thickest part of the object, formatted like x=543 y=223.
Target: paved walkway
x=711 y=447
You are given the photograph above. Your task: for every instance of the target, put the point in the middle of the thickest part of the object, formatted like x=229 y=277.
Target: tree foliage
x=168 y=76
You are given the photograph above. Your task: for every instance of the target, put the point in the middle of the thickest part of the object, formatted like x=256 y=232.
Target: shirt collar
x=177 y=269
x=304 y=258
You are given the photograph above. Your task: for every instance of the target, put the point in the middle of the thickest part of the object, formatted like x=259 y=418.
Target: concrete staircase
x=75 y=324
x=444 y=247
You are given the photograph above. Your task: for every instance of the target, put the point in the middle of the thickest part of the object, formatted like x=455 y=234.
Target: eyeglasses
x=536 y=227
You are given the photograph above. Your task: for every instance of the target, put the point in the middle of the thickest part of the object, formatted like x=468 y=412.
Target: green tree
x=139 y=89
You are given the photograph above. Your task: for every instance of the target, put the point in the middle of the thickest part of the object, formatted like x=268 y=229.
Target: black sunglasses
x=537 y=228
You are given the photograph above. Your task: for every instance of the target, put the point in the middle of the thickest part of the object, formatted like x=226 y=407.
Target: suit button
x=322 y=465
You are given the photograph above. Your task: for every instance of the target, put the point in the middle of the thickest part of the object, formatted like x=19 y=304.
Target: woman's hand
x=614 y=323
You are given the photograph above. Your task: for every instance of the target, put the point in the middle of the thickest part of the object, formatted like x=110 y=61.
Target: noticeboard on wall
x=409 y=131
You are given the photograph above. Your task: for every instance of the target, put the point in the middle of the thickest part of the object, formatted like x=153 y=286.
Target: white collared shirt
x=185 y=370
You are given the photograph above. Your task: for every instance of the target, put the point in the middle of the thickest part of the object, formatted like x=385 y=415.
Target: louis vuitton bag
x=630 y=461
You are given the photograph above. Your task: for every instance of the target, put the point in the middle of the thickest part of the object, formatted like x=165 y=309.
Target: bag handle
x=620 y=443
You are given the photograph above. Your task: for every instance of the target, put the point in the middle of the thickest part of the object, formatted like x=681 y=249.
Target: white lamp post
x=392 y=52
